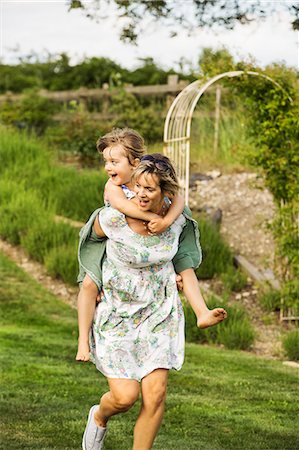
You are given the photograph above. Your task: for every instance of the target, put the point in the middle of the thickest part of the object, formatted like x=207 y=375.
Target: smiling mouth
x=143 y=202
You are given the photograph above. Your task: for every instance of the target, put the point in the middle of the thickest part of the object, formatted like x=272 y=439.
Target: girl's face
x=117 y=165
x=148 y=193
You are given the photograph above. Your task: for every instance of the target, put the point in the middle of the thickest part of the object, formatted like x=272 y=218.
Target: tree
x=188 y=15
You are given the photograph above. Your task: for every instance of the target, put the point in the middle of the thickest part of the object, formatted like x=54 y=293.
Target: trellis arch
x=177 y=126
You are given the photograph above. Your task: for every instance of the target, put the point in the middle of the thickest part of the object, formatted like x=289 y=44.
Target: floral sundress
x=139 y=324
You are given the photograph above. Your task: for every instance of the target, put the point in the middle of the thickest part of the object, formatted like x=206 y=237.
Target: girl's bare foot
x=211 y=317
x=83 y=351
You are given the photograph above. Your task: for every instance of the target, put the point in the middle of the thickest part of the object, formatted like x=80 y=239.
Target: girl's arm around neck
x=117 y=199
x=162 y=223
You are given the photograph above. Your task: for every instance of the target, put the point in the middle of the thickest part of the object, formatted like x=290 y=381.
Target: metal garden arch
x=177 y=126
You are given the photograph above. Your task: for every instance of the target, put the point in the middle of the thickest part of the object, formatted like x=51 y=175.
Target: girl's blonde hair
x=130 y=140
x=161 y=166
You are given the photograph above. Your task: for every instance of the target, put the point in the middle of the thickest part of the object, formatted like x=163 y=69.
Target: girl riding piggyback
x=122 y=151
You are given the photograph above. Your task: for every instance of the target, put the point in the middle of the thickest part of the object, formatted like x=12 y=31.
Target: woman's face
x=148 y=193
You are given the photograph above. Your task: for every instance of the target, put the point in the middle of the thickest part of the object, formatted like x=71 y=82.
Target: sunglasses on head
x=159 y=163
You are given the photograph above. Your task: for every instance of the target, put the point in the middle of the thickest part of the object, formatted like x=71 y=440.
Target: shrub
x=217 y=256
x=237 y=335
x=19 y=215
x=234 y=279
x=17 y=151
x=291 y=345
x=32 y=112
x=271 y=300
x=74 y=193
x=45 y=235
x=235 y=332
x=78 y=133
x=130 y=113
x=61 y=262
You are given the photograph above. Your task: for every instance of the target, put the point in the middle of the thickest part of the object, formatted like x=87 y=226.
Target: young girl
x=122 y=151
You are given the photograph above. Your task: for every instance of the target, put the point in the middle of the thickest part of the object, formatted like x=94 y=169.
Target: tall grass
x=217 y=256
x=233 y=145
x=291 y=345
x=74 y=193
x=235 y=332
x=33 y=190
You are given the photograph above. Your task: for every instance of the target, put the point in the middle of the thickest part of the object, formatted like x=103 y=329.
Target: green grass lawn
x=220 y=399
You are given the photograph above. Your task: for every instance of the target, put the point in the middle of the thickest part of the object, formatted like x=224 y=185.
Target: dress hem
x=143 y=376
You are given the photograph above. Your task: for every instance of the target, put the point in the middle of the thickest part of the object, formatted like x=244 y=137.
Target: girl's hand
x=157 y=226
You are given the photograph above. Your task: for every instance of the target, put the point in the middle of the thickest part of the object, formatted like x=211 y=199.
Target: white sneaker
x=93 y=437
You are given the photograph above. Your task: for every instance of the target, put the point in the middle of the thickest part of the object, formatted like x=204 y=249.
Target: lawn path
x=220 y=400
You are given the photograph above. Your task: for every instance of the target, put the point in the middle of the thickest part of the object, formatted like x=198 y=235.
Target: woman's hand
x=179 y=282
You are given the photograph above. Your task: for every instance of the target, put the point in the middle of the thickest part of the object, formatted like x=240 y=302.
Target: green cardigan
x=92 y=249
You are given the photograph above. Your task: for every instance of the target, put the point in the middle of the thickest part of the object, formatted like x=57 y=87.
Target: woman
x=138 y=331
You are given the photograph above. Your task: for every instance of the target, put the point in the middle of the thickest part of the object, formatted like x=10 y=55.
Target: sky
x=42 y=26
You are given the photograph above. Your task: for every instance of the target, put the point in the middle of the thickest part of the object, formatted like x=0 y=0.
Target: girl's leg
x=121 y=397
x=86 y=306
x=153 y=389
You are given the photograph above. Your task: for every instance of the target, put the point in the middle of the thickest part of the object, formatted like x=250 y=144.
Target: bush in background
x=217 y=256
x=20 y=214
x=78 y=132
x=44 y=235
x=291 y=345
x=148 y=121
x=235 y=332
x=32 y=112
x=271 y=300
x=64 y=190
x=61 y=262
x=234 y=279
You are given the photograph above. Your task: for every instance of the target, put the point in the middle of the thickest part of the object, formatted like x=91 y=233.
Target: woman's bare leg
x=153 y=389
x=86 y=306
x=121 y=397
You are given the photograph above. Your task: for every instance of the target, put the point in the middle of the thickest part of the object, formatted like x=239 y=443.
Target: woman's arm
x=117 y=199
x=97 y=228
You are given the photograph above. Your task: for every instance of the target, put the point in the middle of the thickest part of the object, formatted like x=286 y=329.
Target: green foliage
x=213 y=62
x=237 y=335
x=130 y=113
x=271 y=300
x=19 y=214
x=234 y=279
x=32 y=112
x=274 y=123
x=55 y=73
x=61 y=262
x=33 y=190
x=290 y=296
x=222 y=393
x=291 y=345
x=44 y=235
x=177 y=16
x=213 y=244
x=77 y=133
x=72 y=193
x=235 y=332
